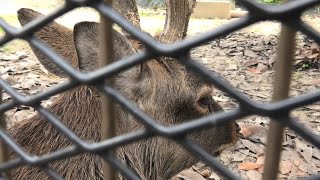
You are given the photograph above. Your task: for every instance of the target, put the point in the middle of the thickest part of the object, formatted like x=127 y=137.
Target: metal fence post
x=280 y=91
x=4 y=153
x=108 y=126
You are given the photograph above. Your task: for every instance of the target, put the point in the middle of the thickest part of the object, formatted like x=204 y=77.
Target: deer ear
x=56 y=36
x=86 y=43
x=87 y=46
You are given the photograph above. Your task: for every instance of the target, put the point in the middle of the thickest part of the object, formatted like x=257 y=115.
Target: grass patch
x=10 y=19
x=155 y=16
x=14 y=46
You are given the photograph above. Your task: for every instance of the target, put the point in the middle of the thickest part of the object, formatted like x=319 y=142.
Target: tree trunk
x=177 y=20
x=192 y=5
x=128 y=9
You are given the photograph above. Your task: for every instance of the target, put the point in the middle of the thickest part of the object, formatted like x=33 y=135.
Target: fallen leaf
x=262 y=68
x=243 y=175
x=272 y=60
x=260 y=170
x=293 y=174
x=313 y=107
x=239 y=157
x=285 y=167
x=251 y=146
x=301 y=174
x=205 y=173
x=253 y=70
x=250 y=63
x=249 y=166
x=303 y=167
x=250 y=53
x=9 y=57
x=220 y=99
x=232 y=67
x=296 y=162
x=312 y=82
x=188 y=174
x=214 y=176
x=245 y=151
x=303 y=149
x=260 y=160
x=316 y=153
x=253 y=175
x=245 y=131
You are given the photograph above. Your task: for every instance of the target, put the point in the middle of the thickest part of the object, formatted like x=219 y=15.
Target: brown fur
x=166 y=90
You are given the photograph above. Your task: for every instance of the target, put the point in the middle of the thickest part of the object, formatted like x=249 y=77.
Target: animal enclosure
x=288 y=14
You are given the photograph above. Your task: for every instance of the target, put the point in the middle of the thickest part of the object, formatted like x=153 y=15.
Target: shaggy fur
x=166 y=90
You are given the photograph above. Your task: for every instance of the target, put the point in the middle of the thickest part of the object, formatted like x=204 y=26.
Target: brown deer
x=163 y=88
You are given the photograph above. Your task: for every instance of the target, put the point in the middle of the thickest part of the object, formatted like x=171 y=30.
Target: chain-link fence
x=288 y=14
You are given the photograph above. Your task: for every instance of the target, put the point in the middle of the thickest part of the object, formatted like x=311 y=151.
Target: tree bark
x=177 y=20
x=192 y=5
x=128 y=9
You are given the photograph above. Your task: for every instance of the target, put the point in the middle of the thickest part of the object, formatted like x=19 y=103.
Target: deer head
x=166 y=90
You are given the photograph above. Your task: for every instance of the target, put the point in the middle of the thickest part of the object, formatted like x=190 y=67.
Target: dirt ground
x=245 y=59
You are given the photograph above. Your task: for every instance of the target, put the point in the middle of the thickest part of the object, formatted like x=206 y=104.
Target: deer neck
x=78 y=109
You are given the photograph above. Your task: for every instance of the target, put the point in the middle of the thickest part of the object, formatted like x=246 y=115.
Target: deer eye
x=204 y=102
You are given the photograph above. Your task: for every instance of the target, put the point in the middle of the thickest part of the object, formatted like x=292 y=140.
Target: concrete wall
x=213 y=9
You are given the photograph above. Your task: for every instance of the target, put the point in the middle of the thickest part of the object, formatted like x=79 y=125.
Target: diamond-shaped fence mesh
x=288 y=14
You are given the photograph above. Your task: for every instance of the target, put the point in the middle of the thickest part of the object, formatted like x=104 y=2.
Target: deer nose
x=238 y=128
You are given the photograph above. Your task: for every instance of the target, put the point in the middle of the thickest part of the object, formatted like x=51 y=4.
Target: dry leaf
x=316 y=153
x=250 y=63
x=252 y=147
x=285 y=167
x=261 y=169
x=253 y=175
x=245 y=151
x=239 y=157
x=189 y=174
x=232 y=67
x=301 y=174
x=245 y=131
x=249 y=166
x=253 y=70
x=205 y=173
x=313 y=107
x=293 y=174
x=214 y=176
x=260 y=160
x=250 y=53
x=296 y=162
x=303 y=167
x=303 y=149
x=262 y=68
x=220 y=99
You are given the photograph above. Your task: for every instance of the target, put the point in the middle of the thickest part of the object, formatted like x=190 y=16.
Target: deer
x=164 y=89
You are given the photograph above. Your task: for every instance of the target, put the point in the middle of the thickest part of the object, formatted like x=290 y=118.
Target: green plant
x=271 y=1
x=10 y=19
x=305 y=66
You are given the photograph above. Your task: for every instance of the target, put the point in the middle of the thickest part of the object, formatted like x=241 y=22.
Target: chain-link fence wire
x=288 y=14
